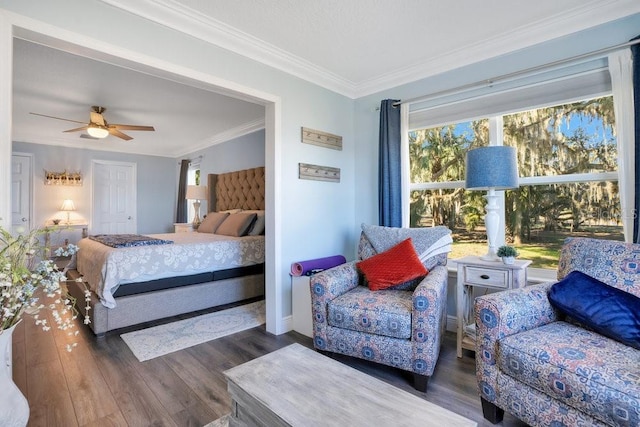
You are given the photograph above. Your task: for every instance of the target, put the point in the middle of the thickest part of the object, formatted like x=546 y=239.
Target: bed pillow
x=607 y=310
x=212 y=221
x=258 y=226
x=392 y=267
x=236 y=224
x=232 y=211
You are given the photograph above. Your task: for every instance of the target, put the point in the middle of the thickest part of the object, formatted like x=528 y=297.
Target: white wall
x=244 y=152
x=156 y=185
x=315 y=218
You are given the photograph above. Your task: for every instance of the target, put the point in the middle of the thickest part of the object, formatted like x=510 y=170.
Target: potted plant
x=508 y=254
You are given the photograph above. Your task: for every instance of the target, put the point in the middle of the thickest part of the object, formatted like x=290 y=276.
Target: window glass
x=567 y=161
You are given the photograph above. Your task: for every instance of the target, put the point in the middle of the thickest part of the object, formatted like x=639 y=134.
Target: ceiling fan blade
x=97 y=118
x=116 y=132
x=77 y=129
x=131 y=127
x=57 y=118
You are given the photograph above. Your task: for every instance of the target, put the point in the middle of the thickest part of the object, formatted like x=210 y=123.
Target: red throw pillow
x=393 y=266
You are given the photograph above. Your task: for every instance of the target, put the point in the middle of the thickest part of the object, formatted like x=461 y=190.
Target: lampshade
x=491 y=167
x=98 y=131
x=196 y=192
x=68 y=205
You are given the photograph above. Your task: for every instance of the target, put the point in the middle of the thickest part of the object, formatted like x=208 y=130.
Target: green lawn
x=543 y=255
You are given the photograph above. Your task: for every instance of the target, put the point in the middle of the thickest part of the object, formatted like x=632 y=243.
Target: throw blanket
x=128 y=240
x=437 y=241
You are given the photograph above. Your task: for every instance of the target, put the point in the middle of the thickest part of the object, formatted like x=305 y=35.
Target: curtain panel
x=181 y=205
x=635 y=53
x=389 y=166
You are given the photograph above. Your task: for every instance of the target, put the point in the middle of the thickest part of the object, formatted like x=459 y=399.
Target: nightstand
x=183 y=227
x=476 y=273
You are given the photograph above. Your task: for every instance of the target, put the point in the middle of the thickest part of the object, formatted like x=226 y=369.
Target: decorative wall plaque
x=62 y=178
x=323 y=139
x=318 y=173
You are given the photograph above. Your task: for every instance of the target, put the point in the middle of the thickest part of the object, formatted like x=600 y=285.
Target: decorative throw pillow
x=236 y=224
x=258 y=226
x=212 y=221
x=392 y=267
x=607 y=310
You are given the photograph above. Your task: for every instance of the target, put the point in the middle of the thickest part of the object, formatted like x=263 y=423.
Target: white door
x=114 y=198
x=20 y=192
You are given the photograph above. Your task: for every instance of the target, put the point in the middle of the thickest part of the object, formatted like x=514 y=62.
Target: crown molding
x=176 y=16
x=227 y=135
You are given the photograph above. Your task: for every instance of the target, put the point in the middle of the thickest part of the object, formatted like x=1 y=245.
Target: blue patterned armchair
x=546 y=369
x=400 y=327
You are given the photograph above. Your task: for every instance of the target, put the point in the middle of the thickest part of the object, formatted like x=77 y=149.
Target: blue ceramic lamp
x=491 y=168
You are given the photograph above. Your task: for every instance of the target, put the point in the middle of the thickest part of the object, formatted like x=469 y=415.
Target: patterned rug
x=160 y=340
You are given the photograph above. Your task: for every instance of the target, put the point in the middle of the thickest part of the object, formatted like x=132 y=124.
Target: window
x=193 y=178
x=567 y=161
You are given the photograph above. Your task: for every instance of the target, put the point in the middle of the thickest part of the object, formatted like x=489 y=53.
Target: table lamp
x=68 y=206
x=197 y=193
x=491 y=168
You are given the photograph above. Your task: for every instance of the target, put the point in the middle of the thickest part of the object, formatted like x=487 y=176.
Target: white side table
x=474 y=272
x=301 y=305
x=183 y=227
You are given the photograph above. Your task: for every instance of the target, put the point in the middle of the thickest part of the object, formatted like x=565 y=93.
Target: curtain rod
x=490 y=82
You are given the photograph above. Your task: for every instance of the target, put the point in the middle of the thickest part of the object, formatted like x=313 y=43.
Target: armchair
x=537 y=362
x=401 y=326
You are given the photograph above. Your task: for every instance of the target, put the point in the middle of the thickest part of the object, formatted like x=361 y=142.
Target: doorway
x=275 y=275
x=113 y=190
x=21 y=192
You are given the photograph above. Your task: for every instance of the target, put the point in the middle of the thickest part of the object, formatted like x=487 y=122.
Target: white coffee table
x=296 y=386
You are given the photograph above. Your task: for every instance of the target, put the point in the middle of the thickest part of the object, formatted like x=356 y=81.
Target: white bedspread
x=106 y=268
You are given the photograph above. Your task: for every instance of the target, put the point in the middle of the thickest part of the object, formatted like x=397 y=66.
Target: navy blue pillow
x=607 y=310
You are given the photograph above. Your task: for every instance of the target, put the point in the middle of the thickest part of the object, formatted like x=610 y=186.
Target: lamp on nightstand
x=491 y=168
x=197 y=193
x=68 y=206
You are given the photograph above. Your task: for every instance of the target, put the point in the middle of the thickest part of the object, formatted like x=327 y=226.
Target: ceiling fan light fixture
x=98 y=131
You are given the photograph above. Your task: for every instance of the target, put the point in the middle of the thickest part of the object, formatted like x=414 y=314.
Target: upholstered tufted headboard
x=242 y=189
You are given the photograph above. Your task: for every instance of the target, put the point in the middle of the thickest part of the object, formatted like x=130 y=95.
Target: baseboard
x=287 y=323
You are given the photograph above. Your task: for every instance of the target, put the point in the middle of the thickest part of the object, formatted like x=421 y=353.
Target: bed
x=176 y=273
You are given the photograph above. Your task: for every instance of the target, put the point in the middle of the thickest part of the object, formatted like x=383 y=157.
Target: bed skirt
x=144 y=307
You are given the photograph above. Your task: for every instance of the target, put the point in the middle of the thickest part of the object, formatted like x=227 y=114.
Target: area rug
x=220 y=422
x=164 y=339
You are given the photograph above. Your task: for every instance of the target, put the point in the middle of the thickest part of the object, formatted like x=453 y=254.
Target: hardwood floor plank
x=188 y=387
x=49 y=398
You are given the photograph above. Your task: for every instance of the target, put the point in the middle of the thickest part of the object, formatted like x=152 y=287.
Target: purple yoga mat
x=303 y=267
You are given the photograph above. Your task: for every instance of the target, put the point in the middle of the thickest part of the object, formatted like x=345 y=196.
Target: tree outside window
x=567 y=161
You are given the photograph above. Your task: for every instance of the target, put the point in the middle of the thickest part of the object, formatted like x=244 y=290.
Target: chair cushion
x=392 y=267
x=607 y=310
x=578 y=367
x=386 y=312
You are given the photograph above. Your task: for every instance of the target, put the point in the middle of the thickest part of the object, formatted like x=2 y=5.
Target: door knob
x=24 y=219
x=129 y=217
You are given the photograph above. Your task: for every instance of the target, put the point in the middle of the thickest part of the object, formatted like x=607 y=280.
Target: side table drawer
x=486 y=277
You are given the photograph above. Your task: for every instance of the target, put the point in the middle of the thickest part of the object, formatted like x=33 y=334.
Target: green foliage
x=507 y=251
x=550 y=141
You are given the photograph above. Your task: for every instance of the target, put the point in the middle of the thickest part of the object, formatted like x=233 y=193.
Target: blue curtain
x=635 y=53
x=181 y=208
x=389 y=171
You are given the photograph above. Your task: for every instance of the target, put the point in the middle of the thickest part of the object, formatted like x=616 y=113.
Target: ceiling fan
x=98 y=126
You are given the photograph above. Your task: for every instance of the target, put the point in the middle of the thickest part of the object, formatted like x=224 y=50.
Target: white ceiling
x=353 y=47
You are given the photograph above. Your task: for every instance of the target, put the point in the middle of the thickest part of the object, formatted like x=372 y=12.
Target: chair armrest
x=326 y=286
x=501 y=314
x=428 y=319
x=330 y=284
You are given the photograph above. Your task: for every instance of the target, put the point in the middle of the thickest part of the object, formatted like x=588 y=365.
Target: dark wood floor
x=101 y=383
